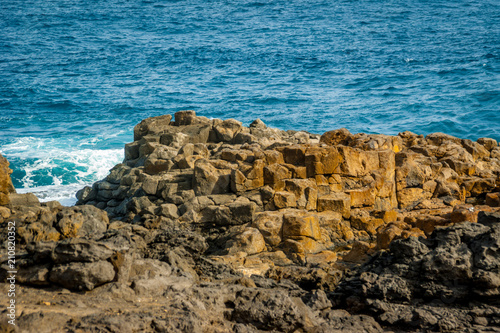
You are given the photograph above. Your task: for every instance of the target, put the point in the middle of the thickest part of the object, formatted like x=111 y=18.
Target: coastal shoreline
x=214 y=226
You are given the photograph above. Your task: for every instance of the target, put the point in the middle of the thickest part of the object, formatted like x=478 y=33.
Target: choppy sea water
x=76 y=76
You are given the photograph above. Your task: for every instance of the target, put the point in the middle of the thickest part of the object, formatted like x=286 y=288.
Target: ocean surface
x=76 y=76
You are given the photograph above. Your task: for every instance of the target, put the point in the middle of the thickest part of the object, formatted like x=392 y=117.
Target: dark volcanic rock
x=443 y=283
x=43 y=322
x=81 y=250
x=272 y=310
x=82 y=276
x=340 y=321
x=37 y=275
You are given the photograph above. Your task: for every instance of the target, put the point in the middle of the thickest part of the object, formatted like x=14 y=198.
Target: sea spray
x=55 y=170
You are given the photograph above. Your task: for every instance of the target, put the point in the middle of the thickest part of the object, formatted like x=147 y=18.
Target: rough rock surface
x=233 y=182
x=211 y=226
x=448 y=282
x=6 y=186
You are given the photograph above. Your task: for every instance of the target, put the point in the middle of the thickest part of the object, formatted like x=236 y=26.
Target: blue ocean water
x=76 y=76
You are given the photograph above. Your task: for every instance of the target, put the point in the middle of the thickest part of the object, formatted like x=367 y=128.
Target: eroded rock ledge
x=256 y=229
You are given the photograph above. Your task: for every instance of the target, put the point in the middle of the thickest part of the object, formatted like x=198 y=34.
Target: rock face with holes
x=218 y=227
x=448 y=282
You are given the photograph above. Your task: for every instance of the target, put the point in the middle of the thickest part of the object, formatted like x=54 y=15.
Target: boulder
x=242 y=211
x=362 y=197
x=4 y=213
x=272 y=311
x=169 y=210
x=321 y=258
x=227 y=130
x=19 y=200
x=275 y=173
x=249 y=241
x=82 y=276
x=359 y=252
x=82 y=221
x=463 y=213
x=488 y=143
x=150 y=277
x=248 y=177
x=140 y=204
x=183 y=118
x=270 y=226
x=37 y=275
x=411 y=196
x=338 y=229
x=178 y=136
x=154 y=125
x=284 y=199
x=361 y=220
x=356 y=162
x=305 y=193
x=477 y=150
x=37 y=232
x=377 y=142
x=439 y=139
x=336 y=137
x=387 y=234
x=298 y=224
x=212 y=177
x=336 y=202
x=273 y=157
x=493 y=199
x=154 y=166
x=294 y=154
x=75 y=249
x=257 y=123
x=322 y=161
x=85 y=194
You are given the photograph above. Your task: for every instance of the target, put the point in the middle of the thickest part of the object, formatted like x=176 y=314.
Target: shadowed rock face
x=212 y=226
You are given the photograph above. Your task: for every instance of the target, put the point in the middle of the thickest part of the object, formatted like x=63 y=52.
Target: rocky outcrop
x=259 y=190
x=448 y=282
x=211 y=226
x=50 y=221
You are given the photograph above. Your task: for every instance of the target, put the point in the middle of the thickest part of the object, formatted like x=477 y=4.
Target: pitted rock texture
x=450 y=281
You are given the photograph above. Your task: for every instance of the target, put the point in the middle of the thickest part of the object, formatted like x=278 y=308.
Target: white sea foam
x=55 y=169
x=65 y=194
